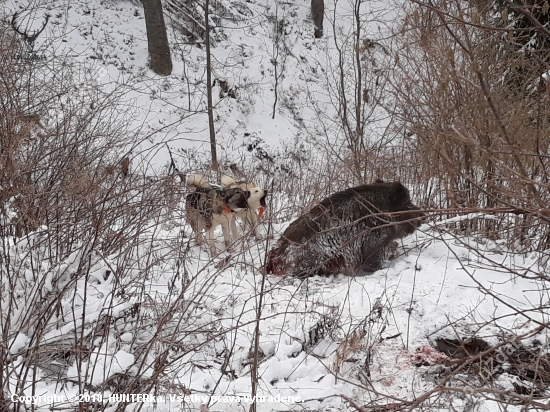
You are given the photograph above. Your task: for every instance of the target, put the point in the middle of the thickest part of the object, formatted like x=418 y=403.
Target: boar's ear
x=379 y=181
x=247 y=193
x=399 y=196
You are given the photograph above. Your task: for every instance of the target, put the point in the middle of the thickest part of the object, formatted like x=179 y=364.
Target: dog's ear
x=247 y=193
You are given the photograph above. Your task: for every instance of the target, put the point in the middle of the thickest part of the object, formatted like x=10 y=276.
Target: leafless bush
x=476 y=110
x=75 y=220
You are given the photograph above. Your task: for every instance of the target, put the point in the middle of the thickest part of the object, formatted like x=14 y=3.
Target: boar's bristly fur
x=347 y=232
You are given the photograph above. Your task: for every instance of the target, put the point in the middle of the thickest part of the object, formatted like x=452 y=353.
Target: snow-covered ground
x=184 y=323
x=366 y=338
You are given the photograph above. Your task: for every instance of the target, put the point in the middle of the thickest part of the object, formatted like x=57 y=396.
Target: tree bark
x=214 y=165
x=157 y=39
x=318 y=14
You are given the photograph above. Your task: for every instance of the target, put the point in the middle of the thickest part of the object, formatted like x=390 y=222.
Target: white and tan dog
x=209 y=206
x=256 y=205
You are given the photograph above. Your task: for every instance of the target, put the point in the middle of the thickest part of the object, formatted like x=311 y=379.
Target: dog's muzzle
x=262 y=199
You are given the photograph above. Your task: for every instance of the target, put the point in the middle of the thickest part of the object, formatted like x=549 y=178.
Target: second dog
x=256 y=205
x=209 y=206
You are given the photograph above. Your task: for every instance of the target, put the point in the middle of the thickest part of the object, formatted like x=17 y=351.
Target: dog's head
x=235 y=199
x=257 y=197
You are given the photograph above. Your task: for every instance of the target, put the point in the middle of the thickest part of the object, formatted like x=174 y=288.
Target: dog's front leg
x=210 y=241
x=253 y=219
x=234 y=231
x=226 y=224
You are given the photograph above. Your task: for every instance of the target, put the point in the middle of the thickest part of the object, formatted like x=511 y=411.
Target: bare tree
x=280 y=51
x=157 y=39
x=214 y=165
x=482 y=127
x=355 y=78
x=317 y=13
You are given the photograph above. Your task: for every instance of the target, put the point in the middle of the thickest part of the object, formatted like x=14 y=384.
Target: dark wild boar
x=347 y=232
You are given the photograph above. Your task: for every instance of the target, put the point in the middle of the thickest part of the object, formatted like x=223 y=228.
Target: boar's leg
x=372 y=263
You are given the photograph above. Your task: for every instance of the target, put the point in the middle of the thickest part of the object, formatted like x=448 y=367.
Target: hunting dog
x=209 y=206
x=256 y=205
x=347 y=232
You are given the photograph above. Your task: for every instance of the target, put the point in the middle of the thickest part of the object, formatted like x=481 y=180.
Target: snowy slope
x=108 y=39
x=433 y=291
x=367 y=338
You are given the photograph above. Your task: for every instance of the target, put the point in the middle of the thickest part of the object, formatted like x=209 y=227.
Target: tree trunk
x=157 y=40
x=318 y=14
x=214 y=165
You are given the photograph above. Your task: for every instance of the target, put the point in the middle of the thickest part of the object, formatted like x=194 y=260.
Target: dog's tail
x=198 y=180
x=228 y=180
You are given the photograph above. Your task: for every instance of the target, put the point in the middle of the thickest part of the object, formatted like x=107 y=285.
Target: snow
x=19 y=342
x=202 y=323
x=105 y=365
